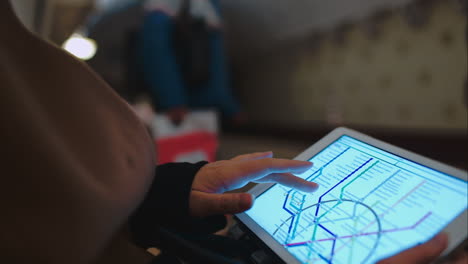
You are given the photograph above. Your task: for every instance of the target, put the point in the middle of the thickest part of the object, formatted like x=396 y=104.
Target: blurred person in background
x=182 y=60
x=78 y=169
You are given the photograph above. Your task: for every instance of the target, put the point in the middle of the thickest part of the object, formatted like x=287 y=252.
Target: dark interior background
x=395 y=69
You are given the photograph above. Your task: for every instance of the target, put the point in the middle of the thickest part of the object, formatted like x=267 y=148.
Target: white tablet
x=374 y=201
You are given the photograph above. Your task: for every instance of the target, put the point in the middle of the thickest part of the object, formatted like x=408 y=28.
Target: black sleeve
x=167 y=205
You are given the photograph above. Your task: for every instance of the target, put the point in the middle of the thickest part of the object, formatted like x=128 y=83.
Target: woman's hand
x=427 y=253
x=421 y=254
x=213 y=179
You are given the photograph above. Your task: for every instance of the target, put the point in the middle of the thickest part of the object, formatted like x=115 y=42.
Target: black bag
x=191 y=38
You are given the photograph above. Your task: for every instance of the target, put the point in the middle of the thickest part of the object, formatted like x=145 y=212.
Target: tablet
x=374 y=201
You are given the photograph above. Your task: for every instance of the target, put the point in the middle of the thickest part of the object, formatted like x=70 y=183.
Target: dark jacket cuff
x=167 y=205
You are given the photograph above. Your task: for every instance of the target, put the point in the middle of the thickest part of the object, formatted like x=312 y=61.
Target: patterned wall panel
x=405 y=78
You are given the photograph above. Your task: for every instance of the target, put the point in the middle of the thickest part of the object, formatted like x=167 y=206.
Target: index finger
x=254 y=169
x=289 y=180
x=254 y=156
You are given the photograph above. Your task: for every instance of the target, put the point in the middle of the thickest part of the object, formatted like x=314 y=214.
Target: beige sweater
x=75 y=160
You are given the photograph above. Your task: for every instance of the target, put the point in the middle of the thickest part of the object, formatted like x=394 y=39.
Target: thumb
x=424 y=253
x=204 y=204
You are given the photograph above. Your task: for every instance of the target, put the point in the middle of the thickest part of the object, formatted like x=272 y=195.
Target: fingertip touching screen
x=370 y=204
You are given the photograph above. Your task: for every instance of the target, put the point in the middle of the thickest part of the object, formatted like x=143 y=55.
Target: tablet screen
x=371 y=204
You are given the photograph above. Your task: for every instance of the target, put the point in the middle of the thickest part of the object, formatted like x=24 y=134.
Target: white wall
x=406 y=78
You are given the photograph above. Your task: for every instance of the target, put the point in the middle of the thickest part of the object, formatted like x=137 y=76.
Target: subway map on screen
x=371 y=204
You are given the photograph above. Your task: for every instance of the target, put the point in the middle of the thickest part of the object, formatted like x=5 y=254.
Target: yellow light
x=80 y=46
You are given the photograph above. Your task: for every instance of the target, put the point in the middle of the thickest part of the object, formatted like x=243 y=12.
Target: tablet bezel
x=453 y=228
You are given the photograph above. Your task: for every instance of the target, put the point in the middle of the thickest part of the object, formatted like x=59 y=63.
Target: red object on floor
x=197 y=145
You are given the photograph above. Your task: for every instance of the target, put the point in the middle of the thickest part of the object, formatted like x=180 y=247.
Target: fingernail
x=253 y=197
x=315 y=187
x=310 y=187
x=251 y=201
x=243 y=203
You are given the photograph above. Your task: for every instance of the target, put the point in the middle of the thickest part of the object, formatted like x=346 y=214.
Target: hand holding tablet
x=374 y=201
x=424 y=253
